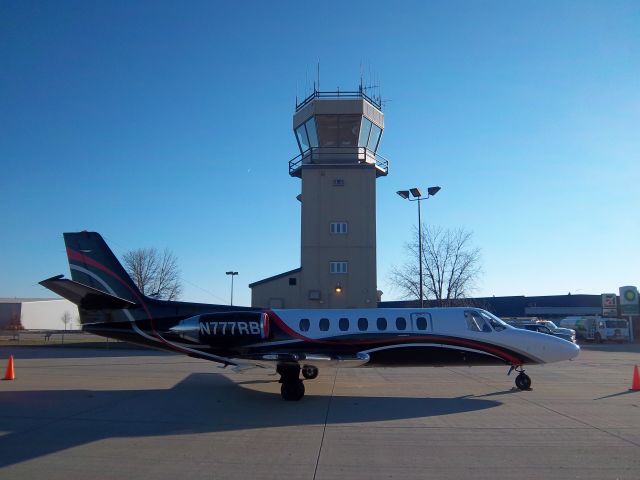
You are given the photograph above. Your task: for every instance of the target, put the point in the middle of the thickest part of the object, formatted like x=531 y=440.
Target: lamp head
x=404 y=194
x=415 y=192
x=432 y=191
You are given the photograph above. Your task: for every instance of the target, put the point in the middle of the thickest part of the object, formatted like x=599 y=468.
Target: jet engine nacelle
x=224 y=327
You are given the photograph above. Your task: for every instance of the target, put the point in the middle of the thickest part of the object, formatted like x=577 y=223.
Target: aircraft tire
x=523 y=381
x=309 y=372
x=292 y=391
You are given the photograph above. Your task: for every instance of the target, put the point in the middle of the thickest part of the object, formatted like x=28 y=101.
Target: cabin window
x=421 y=323
x=324 y=324
x=401 y=323
x=381 y=323
x=343 y=324
x=363 y=324
x=304 y=325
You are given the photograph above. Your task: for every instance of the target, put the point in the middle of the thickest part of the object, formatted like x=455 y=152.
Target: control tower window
x=303 y=139
x=338 y=130
x=364 y=132
x=307 y=135
x=374 y=138
x=311 y=132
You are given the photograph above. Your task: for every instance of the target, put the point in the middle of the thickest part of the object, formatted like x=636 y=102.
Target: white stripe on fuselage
x=437 y=345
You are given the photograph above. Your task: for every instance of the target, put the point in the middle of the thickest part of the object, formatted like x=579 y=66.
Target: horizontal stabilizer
x=87 y=298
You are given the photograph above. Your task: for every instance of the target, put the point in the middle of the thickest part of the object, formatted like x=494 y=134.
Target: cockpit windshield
x=476 y=322
x=497 y=324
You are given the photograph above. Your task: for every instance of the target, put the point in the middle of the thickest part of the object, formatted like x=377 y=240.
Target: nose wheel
x=523 y=381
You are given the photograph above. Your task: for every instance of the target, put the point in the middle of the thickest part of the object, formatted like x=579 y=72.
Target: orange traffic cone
x=635 y=384
x=11 y=375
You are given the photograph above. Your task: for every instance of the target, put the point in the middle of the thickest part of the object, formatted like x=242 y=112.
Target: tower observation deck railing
x=376 y=102
x=332 y=156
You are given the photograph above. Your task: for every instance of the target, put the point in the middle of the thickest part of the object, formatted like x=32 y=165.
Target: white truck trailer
x=598 y=329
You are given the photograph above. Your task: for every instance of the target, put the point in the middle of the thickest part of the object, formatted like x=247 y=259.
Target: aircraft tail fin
x=94 y=265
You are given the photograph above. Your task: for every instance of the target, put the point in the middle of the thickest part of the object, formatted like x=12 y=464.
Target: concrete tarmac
x=89 y=413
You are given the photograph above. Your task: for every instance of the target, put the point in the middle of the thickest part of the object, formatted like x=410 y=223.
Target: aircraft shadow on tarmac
x=39 y=423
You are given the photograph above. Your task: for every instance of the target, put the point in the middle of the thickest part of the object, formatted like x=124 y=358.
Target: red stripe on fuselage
x=507 y=357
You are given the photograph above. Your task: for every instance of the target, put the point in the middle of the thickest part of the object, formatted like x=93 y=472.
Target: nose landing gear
x=523 y=381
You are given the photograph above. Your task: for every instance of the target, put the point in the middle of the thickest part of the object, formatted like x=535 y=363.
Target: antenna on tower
x=318 y=74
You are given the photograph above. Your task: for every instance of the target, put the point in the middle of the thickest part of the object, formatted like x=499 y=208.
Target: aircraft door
x=421 y=322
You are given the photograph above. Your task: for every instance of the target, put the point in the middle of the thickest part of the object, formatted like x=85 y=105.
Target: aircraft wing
x=273 y=358
x=85 y=297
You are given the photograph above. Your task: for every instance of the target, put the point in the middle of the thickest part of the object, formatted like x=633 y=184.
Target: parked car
x=538 y=327
x=556 y=329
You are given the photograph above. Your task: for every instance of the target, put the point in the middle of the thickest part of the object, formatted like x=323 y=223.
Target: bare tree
x=66 y=319
x=451 y=266
x=156 y=275
x=15 y=322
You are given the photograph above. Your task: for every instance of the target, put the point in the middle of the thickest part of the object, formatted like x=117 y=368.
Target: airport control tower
x=338 y=134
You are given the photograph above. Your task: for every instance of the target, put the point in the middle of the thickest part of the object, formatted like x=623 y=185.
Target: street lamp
x=233 y=274
x=417 y=197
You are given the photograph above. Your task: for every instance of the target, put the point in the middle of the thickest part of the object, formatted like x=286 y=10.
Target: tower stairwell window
x=338 y=267
x=338 y=227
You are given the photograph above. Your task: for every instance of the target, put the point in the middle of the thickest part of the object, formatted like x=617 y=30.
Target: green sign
x=629 y=301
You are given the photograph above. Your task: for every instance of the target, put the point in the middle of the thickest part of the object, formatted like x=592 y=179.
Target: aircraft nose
x=572 y=350
x=560 y=350
x=546 y=348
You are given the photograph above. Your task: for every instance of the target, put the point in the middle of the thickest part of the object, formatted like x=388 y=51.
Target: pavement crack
x=587 y=424
x=324 y=428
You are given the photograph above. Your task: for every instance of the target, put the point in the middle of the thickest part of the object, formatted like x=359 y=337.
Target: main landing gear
x=292 y=387
x=523 y=381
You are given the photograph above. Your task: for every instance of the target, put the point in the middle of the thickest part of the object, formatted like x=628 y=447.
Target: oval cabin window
x=363 y=324
x=401 y=323
x=304 y=325
x=343 y=324
x=381 y=323
x=421 y=323
x=324 y=324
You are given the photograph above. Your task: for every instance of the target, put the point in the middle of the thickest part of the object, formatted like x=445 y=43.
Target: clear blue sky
x=168 y=124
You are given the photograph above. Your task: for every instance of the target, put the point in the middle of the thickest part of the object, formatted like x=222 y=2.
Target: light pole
x=233 y=274
x=417 y=197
